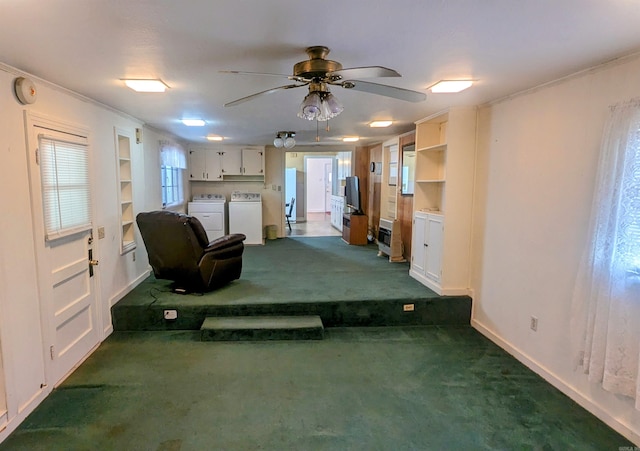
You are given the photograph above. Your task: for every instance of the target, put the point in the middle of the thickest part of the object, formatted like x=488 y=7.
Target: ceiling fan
x=319 y=73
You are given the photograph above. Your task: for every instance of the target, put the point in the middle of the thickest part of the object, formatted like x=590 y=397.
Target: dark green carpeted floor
x=345 y=285
x=408 y=388
x=395 y=388
x=301 y=270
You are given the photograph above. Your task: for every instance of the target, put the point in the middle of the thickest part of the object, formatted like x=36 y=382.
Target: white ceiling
x=87 y=46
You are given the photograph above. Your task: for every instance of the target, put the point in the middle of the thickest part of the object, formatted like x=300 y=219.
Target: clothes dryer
x=210 y=210
x=245 y=216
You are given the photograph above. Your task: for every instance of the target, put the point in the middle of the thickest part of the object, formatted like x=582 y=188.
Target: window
x=628 y=233
x=171 y=186
x=173 y=162
x=606 y=308
x=65 y=185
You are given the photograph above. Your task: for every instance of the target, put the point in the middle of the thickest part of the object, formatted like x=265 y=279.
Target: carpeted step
x=254 y=328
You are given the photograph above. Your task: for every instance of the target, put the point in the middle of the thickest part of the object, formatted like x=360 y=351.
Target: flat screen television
x=352 y=194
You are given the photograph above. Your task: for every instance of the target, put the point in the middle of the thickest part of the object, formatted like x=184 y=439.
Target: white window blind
x=66 y=196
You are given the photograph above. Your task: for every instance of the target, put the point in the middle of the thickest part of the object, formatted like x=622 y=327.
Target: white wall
x=537 y=157
x=22 y=348
x=316 y=201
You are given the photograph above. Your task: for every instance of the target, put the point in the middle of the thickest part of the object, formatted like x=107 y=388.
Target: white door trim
x=45 y=278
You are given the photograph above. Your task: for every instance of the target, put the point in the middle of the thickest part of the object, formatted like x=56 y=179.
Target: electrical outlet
x=408 y=307
x=170 y=314
x=534 y=324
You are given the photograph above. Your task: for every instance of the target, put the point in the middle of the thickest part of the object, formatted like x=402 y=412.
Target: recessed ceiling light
x=380 y=124
x=214 y=138
x=448 y=86
x=193 y=122
x=350 y=139
x=155 y=85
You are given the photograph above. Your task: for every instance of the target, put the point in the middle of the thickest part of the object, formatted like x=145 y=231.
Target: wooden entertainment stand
x=354 y=229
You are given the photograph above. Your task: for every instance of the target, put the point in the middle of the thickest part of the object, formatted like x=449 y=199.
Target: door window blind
x=66 y=195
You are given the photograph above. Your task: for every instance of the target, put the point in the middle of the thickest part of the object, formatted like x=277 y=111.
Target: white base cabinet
x=442 y=202
x=337 y=210
x=426 y=255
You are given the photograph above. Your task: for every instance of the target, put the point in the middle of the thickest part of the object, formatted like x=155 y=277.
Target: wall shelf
x=445 y=156
x=123 y=141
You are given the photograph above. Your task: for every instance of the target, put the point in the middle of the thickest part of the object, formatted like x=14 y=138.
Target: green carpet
x=408 y=388
x=344 y=285
x=317 y=269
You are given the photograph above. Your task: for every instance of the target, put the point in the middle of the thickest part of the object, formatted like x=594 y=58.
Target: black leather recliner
x=179 y=250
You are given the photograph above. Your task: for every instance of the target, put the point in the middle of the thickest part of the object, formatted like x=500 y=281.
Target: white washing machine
x=245 y=216
x=210 y=211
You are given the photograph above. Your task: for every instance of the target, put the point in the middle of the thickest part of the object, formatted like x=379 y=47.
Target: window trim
x=178 y=186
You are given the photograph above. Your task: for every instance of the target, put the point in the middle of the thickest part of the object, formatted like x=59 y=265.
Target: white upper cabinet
x=253 y=161
x=231 y=162
x=215 y=164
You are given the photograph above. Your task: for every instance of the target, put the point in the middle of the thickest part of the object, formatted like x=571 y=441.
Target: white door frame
x=54 y=375
x=306 y=181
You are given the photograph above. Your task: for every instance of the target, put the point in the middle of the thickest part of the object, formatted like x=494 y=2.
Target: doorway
x=310 y=179
x=318 y=189
x=61 y=200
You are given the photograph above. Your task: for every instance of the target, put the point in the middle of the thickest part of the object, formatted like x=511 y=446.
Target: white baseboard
x=11 y=424
x=128 y=288
x=585 y=402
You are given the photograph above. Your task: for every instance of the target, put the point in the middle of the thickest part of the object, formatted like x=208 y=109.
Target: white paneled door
x=65 y=256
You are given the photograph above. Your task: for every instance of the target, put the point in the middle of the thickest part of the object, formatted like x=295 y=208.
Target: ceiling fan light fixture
x=451 y=86
x=325 y=113
x=320 y=105
x=333 y=105
x=310 y=107
x=380 y=124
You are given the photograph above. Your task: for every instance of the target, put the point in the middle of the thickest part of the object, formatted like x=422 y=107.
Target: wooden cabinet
x=125 y=193
x=354 y=229
x=445 y=156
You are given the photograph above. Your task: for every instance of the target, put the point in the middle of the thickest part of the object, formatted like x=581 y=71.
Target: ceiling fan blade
x=258 y=94
x=384 y=90
x=363 y=72
x=239 y=72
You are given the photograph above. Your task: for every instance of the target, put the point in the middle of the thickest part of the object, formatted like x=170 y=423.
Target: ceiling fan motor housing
x=316 y=67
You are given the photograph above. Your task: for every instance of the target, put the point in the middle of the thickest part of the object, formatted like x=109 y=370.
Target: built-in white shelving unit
x=125 y=192
x=445 y=158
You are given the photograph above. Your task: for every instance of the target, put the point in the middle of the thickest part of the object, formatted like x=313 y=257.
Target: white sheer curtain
x=172 y=155
x=606 y=297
